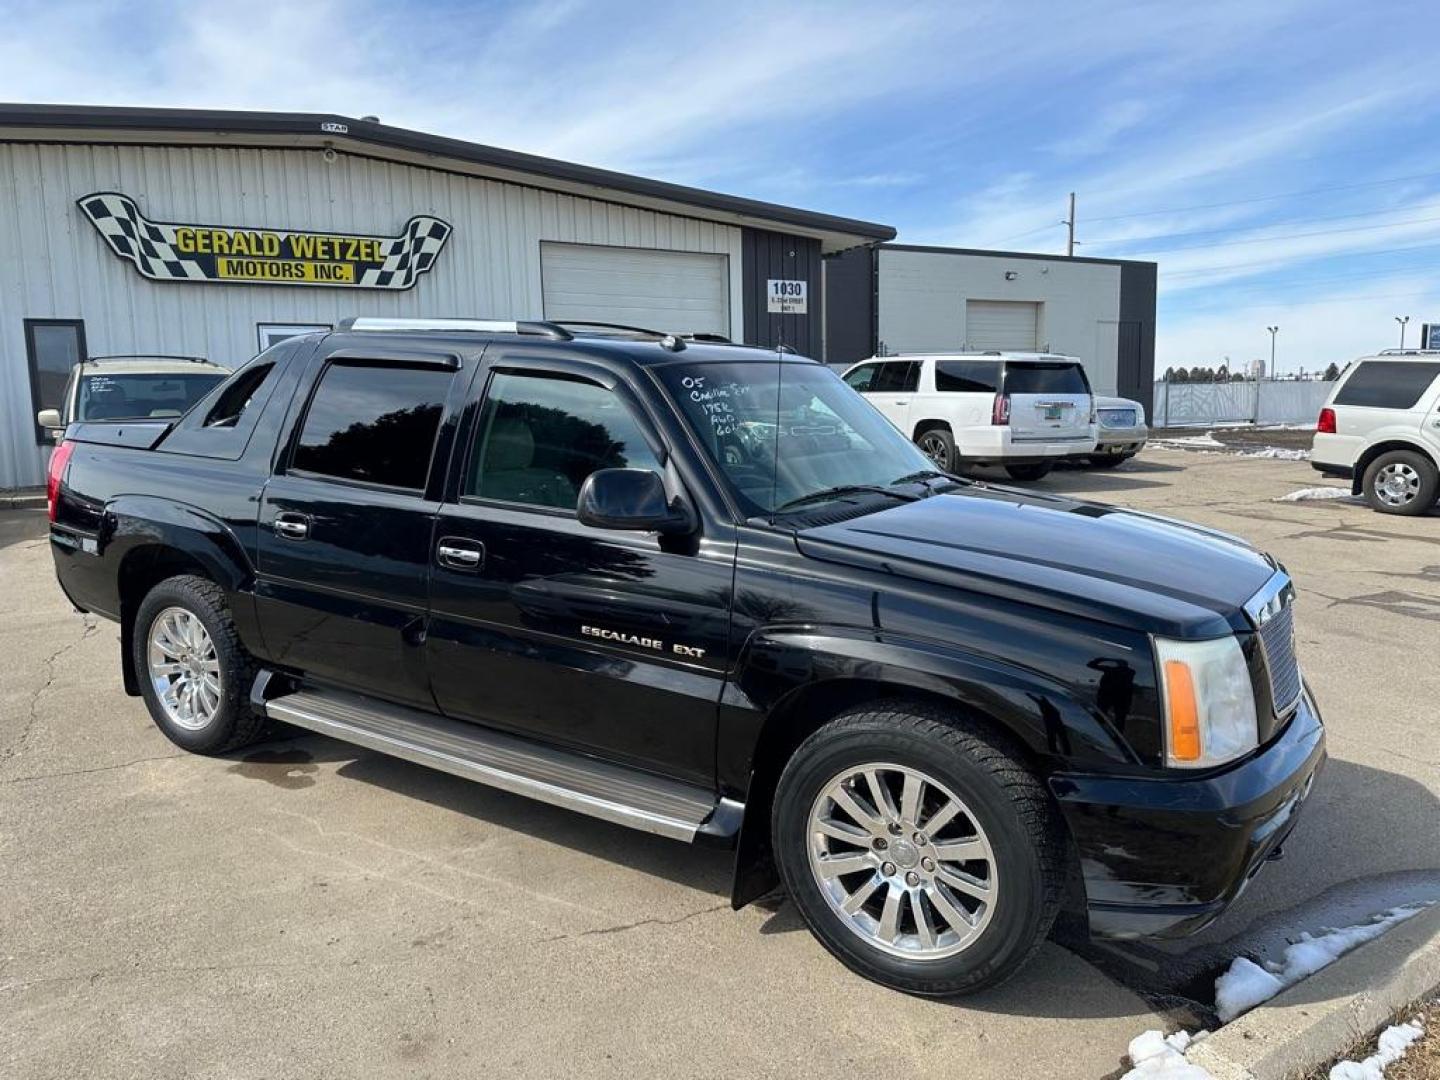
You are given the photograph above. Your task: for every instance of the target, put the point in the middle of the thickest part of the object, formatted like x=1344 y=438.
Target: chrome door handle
x=292 y=526
x=459 y=554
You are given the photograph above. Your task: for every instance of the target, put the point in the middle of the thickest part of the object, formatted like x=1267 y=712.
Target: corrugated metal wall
x=788 y=258
x=53 y=263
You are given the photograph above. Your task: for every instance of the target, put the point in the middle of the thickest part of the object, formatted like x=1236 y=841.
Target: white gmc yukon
x=1023 y=411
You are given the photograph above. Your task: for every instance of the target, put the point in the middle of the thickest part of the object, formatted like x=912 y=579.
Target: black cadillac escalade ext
x=707 y=591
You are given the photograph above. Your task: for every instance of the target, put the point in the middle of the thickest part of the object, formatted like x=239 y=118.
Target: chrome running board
x=559 y=777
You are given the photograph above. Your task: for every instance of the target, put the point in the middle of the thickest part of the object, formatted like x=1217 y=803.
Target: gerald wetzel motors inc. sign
x=166 y=251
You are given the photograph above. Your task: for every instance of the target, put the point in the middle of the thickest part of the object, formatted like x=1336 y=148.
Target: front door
x=345 y=525
x=602 y=641
x=890 y=391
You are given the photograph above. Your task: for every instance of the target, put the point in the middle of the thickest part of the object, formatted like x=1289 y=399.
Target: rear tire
x=1030 y=472
x=195 y=676
x=913 y=913
x=939 y=446
x=1401 y=482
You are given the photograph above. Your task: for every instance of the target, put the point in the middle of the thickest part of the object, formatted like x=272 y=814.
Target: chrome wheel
x=184 y=669
x=1397 y=484
x=902 y=861
x=935 y=449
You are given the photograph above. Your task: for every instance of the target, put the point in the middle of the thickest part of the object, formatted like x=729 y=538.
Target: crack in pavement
x=96 y=769
x=602 y=930
x=90 y=626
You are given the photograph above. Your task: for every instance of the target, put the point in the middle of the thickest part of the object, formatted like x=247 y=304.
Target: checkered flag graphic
x=408 y=255
x=150 y=245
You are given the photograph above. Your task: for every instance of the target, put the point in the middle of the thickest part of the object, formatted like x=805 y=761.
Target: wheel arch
x=1021 y=709
x=922 y=426
x=1384 y=446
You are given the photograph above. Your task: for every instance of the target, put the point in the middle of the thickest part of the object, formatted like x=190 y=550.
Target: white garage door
x=1001 y=324
x=682 y=291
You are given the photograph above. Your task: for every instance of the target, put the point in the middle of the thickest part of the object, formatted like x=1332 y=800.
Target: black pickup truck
x=707 y=591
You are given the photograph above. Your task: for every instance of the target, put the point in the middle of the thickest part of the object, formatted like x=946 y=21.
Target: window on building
x=268 y=334
x=897 y=377
x=1387 y=384
x=373 y=424
x=539 y=438
x=52 y=348
x=967 y=376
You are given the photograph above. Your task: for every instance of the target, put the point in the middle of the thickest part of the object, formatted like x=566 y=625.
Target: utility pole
x=1402 y=321
x=1069 y=222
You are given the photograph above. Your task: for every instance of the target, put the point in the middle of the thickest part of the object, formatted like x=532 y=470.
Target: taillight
x=58 y=460
x=1326 y=424
x=1000 y=411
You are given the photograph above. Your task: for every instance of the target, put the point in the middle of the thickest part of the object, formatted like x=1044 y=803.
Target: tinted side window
x=373 y=424
x=967 y=376
x=240 y=395
x=897 y=377
x=1387 y=384
x=540 y=437
x=862 y=377
x=1045 y=379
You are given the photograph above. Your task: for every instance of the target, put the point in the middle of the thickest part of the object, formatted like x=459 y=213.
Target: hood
x=1121 y=566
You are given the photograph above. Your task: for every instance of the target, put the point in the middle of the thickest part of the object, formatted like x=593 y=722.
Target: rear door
x=345 y=522
x=1386 y=394
x=1048 y=399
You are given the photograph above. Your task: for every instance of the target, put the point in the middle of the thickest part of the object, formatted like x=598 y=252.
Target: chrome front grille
x=1272 y=610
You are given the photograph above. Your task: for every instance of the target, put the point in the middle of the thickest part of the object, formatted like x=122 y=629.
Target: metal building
x=217 y=233
x=898 y=298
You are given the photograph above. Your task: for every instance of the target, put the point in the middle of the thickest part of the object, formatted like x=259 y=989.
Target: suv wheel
x=939 y=446
x=1401 y=482
x=920 y=852
x=1030 y=472
x=195 y=675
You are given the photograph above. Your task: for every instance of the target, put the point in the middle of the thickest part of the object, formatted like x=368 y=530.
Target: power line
x=1272 y=261
x=1289 y=236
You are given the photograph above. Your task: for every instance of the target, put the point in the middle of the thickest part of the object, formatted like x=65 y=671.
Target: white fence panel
x=1266 y=402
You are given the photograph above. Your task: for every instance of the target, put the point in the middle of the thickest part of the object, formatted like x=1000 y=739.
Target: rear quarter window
x=1045 y=379
x=1387 y=384
x=967 y=376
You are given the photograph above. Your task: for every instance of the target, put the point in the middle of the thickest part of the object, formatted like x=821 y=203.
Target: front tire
x=195 y=675
x=1030 y=472
x=919 y=849
x=1401 y=482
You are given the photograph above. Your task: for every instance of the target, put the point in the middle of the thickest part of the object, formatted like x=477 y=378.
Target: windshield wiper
x=923 y=474
x=842 y=490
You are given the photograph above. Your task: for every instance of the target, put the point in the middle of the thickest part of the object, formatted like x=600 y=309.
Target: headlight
x=1209 y=703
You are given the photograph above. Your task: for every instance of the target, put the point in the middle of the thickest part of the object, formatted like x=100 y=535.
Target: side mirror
x=631 y=499
x=49 y=419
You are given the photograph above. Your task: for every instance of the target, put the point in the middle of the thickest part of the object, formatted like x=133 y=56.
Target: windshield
x=828 y=436
x=134 y=396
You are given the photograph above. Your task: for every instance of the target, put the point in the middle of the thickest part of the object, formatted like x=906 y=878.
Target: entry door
x=344 y=538
x=598 y=640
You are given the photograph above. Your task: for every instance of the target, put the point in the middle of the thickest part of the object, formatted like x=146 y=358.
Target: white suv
x=1380 y=429
x=1024 y=411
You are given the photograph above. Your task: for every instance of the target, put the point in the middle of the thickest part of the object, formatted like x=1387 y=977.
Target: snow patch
x=1390 y=1048
x=1247 y=984
x=1154 y=1055
x=1278 y=453
x=1315 y=494
x=1187 y=442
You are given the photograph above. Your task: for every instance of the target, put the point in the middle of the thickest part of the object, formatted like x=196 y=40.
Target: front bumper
x=1164 y=857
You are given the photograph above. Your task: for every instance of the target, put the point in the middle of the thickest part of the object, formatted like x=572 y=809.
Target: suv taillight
x=1000 y=411
x=1326 y=424
x=54 y=474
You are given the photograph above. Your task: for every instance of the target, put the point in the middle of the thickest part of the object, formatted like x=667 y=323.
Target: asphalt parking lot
x=305 y=908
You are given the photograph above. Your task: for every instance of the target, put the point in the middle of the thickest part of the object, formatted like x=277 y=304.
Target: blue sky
x=1280 y=161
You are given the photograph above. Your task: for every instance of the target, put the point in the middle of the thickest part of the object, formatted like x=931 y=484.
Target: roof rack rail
x=1408 y=352
x=708 y=339
x=146 y=356
x=590 y=324
x=532 y=327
